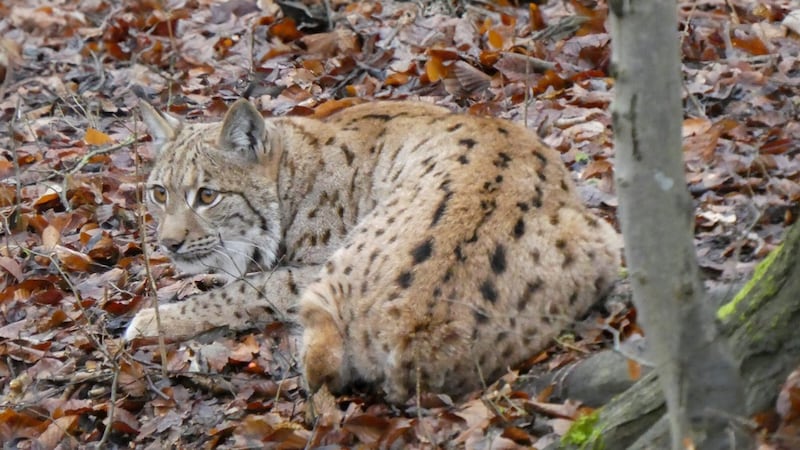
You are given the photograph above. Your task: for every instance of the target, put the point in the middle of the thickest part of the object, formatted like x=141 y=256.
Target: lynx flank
x=407 y=241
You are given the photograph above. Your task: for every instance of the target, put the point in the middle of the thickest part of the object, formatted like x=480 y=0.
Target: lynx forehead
x=410 y=243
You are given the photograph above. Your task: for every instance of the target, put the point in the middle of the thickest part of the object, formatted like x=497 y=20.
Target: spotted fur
x=408 y=242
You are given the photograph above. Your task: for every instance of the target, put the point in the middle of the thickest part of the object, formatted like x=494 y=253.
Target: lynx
x=413 y=246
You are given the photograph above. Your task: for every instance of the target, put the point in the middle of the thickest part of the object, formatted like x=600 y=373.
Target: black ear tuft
x=243 y=130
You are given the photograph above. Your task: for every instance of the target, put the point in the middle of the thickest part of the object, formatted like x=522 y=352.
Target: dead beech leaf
x=777 y=146
x=131 y=378
x=47 y=200
x=103 y=250
x=56 y=431
x=49 y=297
x=333 y=105
x=694 y=126
x=567 y=410
x=96 y=137
x=705 y=143
x=536 y=19
x=495 y=39
x=19 y=424
x=597 y=168
x=11 y=266
x=434 y=69
x=73 y=260
x=792 y=21
x=634 y=370
x=286 y=30
x=51 y=237
x=489 y=58
x=465 y=80
x=58 y=317
x=124 y=421
x=444 y=54
x=396 y=79
x=550 y=80
x=753 y=45
x=788 y=404
x=367 y=427
x=517 y=435
x=244 y=351
x=544 y=394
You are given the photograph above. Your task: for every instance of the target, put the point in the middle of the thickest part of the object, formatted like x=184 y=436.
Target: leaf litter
x=73 y=155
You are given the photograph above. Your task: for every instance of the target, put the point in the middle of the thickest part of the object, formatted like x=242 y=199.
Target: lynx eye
x=206 y=196
x=158 y=194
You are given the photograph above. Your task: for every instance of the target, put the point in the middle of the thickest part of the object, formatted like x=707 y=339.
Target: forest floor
x=73 y=153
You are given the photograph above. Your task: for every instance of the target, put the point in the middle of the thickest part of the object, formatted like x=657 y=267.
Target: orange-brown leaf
x=753 y=45
x=597 y=168
x=434 y=69
x=634 y=370
x=314 y=65
x=96 y=137
x=444 y=54
x=103 y=250
x=517 y=435
x=536 y=19
x=285 y=29
x=550 y=80
x=58 y=317
x=244 y=351
x=331 y=106
x=367 y=427
x=495 y=39
x=488 y=58
x=396 y=79
x=72 y=260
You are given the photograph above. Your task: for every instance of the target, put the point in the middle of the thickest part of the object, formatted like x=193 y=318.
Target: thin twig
x=162 y=348
x=112 y=403
x=100 y=151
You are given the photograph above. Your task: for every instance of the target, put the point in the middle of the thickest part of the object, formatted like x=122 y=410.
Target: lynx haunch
x=408 y=242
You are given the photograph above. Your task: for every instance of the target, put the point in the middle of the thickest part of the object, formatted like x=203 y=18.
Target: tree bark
x=694 y=369
x=761 y=325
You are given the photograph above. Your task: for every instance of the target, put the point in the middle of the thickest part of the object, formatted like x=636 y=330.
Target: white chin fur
x=230 y=262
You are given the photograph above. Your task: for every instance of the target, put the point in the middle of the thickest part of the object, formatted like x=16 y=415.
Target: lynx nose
x=173 y=245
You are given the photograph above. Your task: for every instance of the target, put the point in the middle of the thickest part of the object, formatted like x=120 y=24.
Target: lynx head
x=213 y=191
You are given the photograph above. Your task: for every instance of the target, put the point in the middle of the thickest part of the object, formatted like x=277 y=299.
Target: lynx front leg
x=263 y=297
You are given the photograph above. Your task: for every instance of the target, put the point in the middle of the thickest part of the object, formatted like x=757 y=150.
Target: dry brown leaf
x=634 y=370
x=367 y=427
x=245 y=350
x=56 y=432
x=434 y=69
x=597 y=168
x=131 y=378
x=96 y=137
x=73 y=260
x=12 y=266
x=495 y=39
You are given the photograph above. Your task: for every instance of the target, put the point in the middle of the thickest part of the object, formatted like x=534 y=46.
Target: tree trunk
x=761 y=325
x=694 y=370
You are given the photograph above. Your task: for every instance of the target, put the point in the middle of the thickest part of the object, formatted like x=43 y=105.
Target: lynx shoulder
x=408 y=242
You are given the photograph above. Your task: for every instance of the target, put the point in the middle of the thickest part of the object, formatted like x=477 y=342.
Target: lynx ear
x=163 y=127
x=243 y=130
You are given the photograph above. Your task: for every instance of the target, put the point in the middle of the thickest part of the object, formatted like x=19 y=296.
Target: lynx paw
x=143 y=324
x=174 y=323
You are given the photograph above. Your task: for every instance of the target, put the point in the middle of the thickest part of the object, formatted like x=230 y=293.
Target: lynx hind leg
x=322 y=351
